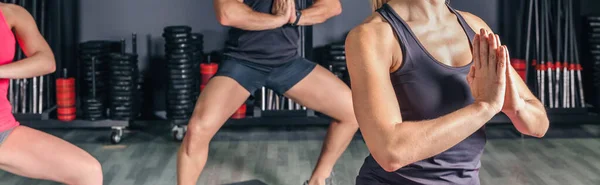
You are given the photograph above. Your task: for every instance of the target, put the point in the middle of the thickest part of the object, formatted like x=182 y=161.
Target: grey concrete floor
x=286 y=156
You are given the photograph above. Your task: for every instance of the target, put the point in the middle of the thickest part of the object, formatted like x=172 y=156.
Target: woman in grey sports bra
x=445 y=82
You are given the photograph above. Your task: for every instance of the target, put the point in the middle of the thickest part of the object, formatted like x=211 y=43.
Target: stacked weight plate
x=93 y=56
x=179 y=51
x=336 y=57
x=198 y=42
x=594 y=53
x=123 y=86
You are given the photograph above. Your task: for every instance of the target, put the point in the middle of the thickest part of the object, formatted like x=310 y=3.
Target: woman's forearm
x=531 y=119
x=37 y=65
x=412 y=141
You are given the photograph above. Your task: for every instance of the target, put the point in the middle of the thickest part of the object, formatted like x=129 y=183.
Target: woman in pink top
x=25 y=151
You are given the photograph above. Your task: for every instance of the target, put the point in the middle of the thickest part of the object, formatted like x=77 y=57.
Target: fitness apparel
x=427 y=89
x=270 y=47
x=7 y=52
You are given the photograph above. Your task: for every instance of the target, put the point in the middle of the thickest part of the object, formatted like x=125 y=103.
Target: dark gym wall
x=116 y=19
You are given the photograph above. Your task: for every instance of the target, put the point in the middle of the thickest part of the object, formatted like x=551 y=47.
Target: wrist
x=486 y=108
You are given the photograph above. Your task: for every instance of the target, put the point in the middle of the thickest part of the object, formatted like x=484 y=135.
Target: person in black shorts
x=262 y=50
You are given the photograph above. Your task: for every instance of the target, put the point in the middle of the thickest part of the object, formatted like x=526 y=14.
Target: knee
x=199 y=133
x=90 y=173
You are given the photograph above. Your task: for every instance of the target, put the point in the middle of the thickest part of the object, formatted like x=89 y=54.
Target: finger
x=483 y=49
x=476 y=59
x=501 y=65
x=497 y=37
x=471 y=75
x=493 y=51
x=509 y=77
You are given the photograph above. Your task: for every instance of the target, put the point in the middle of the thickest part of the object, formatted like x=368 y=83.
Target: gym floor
x=285 y=156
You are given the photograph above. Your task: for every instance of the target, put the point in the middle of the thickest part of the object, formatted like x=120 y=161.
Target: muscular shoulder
x=12 y=12
x=475 y=22
x=373 y=37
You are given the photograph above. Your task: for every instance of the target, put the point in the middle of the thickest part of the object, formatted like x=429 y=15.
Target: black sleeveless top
x=427 y=89
x=271 y=47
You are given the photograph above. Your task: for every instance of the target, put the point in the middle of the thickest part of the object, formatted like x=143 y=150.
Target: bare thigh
x=34 y=154
x=221 y=97
x=324 y=92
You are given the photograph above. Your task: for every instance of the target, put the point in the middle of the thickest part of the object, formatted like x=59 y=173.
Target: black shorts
x=253 y=76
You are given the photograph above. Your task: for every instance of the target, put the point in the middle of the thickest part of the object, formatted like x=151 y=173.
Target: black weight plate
x=338 y=58
x=179 y=46
x=171 y=36
x=181 y=76
x=121 y=104
x=92 y=111
x=122 y=88
x=121 y=109
x=177 y=28
x=94 y=52
x=93 y=117
x=178 y=50
x=121 y=93
x=180 y=97
x=594 y=46
x=178 y=102
x=593 y=18
x=123 y=56
x=594 y=24
x=172 y=117
x=181 y=86
x=180 y=107
x=121 y=98
x=171 y=56
x=122 y=63
x=122 y=73
x=88 y=68
x=179 y=113
x=88 y=59
x=122 y=83
x=116 y=103
x=178 y=40
x=179 y=61
x=122 y=78
x=337 y=52
x=181 y=81
x=89 y=84
x=122 y=68
x=337 y=47
x=95 y=44
x=98 y=73
x=181 y=71
x=179 y=66
x=179 y=92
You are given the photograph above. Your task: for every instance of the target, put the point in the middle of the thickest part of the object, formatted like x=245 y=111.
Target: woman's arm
x=40 y=60
x=318 y=13
x=393 y=142
x=526 y=112
x=235 y=13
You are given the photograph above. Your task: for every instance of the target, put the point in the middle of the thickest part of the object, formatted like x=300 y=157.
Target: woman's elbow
x=389 y=161
x=50 y=66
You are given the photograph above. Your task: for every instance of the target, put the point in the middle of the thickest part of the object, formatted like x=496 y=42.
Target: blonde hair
x=376 y=4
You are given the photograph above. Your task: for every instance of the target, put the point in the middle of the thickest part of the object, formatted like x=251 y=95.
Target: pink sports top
x=7 y=53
